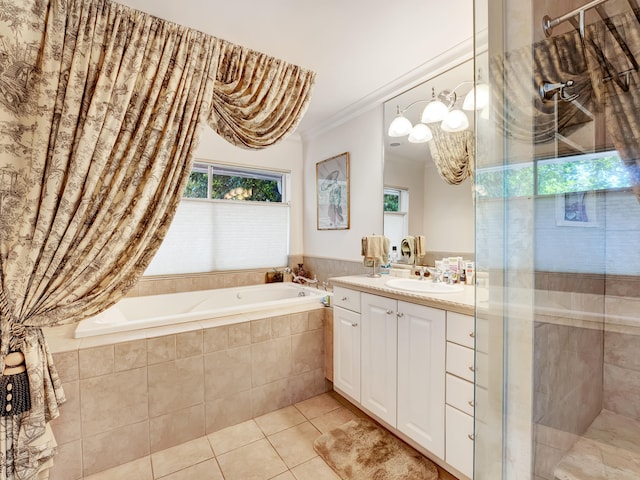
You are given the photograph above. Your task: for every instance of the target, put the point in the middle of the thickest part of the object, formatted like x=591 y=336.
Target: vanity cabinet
x=421 y=375
x=346 y=341
x=460 y=392
x=378 y=354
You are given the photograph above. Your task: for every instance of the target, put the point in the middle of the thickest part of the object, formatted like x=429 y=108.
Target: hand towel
x=421 y=248
x=375 y=248
x=408 y=249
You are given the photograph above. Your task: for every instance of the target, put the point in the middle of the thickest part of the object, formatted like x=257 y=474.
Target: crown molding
x=447 y=60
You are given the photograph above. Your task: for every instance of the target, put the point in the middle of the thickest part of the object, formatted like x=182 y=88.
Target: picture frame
x=332 y=193
x=576 y=209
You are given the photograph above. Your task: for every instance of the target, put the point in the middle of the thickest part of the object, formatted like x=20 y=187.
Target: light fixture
x=437 y=108
x=477 y=98
x=400 y=126
x=455 y=121
x=420 y=133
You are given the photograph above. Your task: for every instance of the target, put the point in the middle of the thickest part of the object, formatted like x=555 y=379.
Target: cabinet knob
x=472 y=369
x=471 y=403
x=399 y=314
x=389 y=312
x=472 y=334
x=354 y=324
x=471 y=436
x=344 y=299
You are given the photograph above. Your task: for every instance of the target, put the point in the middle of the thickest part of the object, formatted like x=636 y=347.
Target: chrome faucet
x=300 y=279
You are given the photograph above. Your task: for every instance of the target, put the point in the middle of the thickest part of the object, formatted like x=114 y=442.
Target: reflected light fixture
x=477 y=98
x=455 y=121
x=420 y=133
x=400 y=126
x=437 y=108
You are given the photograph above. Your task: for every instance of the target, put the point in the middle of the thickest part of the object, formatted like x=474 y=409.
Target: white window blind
x=209 y=235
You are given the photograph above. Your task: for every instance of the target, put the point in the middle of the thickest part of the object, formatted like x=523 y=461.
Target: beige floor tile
x=333 y=419
x=318 y=405
x=181 y=456
x=314 y=469
x=285 y=476
x=295 y=445
x=279 y=420
x=256 y=461
x=139 y=469
x=230 y=438
x=207 y=470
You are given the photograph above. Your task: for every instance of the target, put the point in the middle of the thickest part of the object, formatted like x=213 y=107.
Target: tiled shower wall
x=622 y=346
x=129 y=399
x=586 y=359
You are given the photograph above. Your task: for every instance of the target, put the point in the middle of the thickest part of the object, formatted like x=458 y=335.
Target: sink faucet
x=422 y=272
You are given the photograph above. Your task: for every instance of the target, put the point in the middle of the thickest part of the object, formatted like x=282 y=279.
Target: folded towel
x=408 y=249
x=421 y=247
x=375 y=248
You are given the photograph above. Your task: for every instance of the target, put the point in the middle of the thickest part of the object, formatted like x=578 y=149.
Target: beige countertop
x=460 y=302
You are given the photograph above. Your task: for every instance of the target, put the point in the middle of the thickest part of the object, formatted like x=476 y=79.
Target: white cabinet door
x=460 y=441
x=421 y=375
x=346 y=352
x=379 y=344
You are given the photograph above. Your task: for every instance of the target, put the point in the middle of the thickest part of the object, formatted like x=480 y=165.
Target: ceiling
x=363 y=51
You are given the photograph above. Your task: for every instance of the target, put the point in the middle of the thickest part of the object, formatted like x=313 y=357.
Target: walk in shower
x=557 y=183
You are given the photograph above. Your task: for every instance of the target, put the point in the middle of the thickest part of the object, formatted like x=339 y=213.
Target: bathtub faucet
x=300 y=279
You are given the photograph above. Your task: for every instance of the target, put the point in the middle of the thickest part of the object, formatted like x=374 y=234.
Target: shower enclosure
x=557 y=198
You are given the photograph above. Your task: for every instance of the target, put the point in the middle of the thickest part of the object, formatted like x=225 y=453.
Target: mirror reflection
x=427 y=134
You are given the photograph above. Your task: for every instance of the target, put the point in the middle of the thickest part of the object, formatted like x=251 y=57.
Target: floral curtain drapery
x=100 y=108
x=453 y=154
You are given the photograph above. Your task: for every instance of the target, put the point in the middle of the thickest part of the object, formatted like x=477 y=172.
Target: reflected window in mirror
x=396 y=214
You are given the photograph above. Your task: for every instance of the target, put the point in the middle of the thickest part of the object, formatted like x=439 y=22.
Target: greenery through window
x=392 y=202
x=231 y=183
x=580 y=173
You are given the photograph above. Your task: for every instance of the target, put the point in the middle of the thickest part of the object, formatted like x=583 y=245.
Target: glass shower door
x=557 y=228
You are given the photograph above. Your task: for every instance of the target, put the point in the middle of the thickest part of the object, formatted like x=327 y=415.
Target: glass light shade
x=455 y=121
x=400 y=126
x=479 y=100
x=435 y=111
x=420 y=134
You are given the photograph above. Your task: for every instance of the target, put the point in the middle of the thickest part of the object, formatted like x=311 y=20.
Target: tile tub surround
x=129 y=399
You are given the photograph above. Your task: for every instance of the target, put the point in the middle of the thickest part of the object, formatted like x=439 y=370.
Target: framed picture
x=576 y=209
x=332 y=188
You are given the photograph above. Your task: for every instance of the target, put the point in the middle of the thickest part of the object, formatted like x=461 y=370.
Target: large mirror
x=418 y=201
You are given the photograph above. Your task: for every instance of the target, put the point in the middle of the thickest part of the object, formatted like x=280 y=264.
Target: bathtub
x=158 y=310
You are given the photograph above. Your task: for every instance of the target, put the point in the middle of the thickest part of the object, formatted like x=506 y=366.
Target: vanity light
x=477 y=98
x=420 y=134
x=400 y=126
x=437 y=108
x=455 y=121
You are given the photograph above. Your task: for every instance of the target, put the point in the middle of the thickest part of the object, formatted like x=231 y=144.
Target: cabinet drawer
x=459 y=441
x=460 y=329
x=460 y=361
x=346 y=298
x=460 y=394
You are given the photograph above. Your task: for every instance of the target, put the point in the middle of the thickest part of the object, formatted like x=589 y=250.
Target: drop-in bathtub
x=158 y=310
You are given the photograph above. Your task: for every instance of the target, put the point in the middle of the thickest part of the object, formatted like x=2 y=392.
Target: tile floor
x=274 y=446
x=278 y=446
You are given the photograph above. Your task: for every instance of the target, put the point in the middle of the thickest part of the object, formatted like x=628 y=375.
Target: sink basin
x=422 y=286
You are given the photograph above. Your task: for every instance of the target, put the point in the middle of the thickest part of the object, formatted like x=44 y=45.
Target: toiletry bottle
x=394 y=254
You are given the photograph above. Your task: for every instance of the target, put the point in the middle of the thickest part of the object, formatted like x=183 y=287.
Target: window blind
x=223 y=235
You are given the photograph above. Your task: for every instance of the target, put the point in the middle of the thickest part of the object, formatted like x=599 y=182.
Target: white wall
x=408 y=174
x=362 y=138
x=284 y=156
x=449 y=214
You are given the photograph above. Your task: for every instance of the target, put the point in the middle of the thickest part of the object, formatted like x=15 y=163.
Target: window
x=229 y=218
x=396 y=218
x=579 y=173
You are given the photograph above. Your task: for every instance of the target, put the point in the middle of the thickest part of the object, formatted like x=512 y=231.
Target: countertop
x=459 y=302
